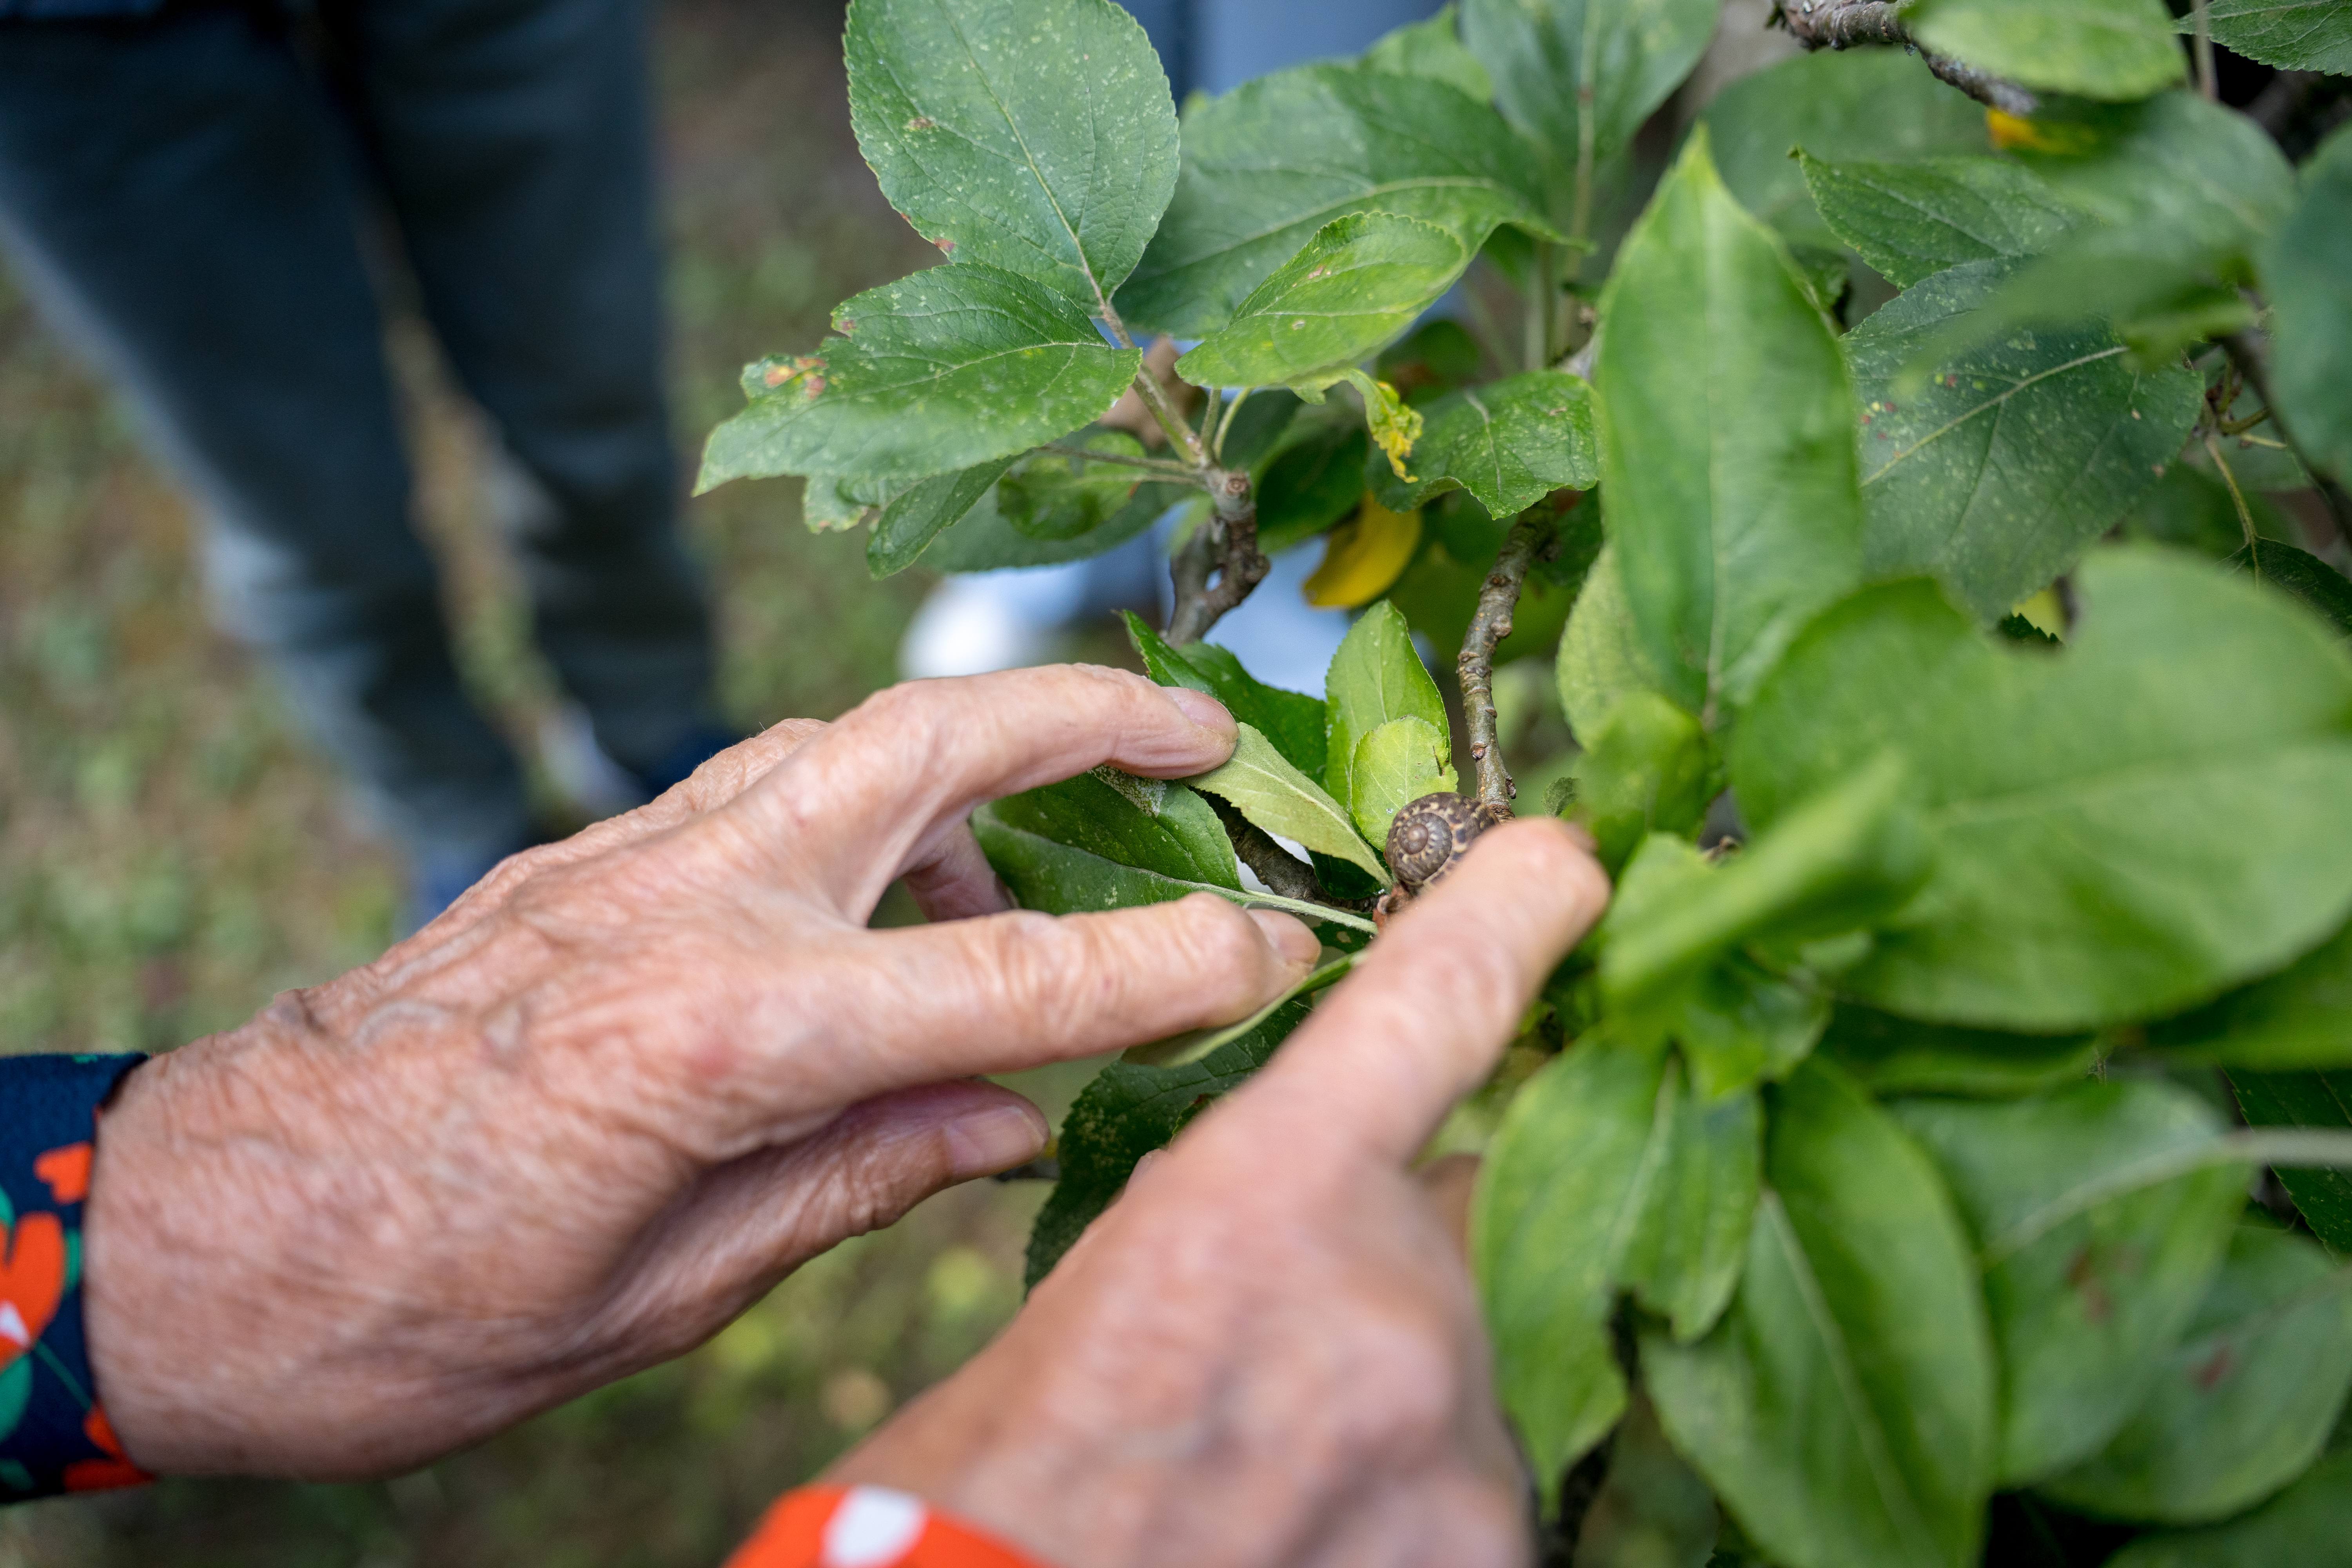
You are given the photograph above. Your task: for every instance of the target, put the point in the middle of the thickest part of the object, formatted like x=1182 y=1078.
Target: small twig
x=2246 y=352
x=1285 y=875
x=1155 y=398
x=1162 y=466
x=1221 y=562
x=1498 y=596
x=2201 y=10
x=1845 y=24
x=2246 y=516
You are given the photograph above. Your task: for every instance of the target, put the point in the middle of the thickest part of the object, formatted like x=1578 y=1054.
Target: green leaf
x=1685 y=1259
x=1396 y=763
x=1315 y=482
x=1059 y=879
x=985 y=541
x=2293 y=35
x=1601 y=658
x=2015 y=456
x=1560 y=1199
x=1052 y=495
x=1275 y=159
x=2246 y=1401
x=2316 y=1101
x=1264 y=787
x=1647 y=770
x=1126 y=1113
x=1726 y=451
x=2309 y=1525
x=2303 y=577
x=1352 y=289
x=828 y=507
x=2306 y=266
x=919 y=514
x=2094 y=48
x=2191 y=509
x=1839 y=105
x=1291 y=720
x=1376 y=676
x=1911 y=220
x=1509 y=444
x=1888 y=1055
x=1148 y=823
x=1739 y=1025
x=948 y=368
x=1431 y=48
x=2084 y=1314
x=1194 y=1045
x=1847 y=856
x=2299 y=1017
x=2119 y=831
x=1034 y=135
x=1653 y=1510
x=1622 y=58
x=1843 y=1408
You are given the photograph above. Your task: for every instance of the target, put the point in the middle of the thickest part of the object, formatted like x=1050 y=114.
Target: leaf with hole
x=948 y=368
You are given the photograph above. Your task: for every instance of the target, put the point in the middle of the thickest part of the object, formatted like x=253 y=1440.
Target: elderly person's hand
x=582 y=1120
x=1267 y=1354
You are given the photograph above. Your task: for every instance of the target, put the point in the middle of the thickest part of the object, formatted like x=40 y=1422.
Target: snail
x=1427 y=836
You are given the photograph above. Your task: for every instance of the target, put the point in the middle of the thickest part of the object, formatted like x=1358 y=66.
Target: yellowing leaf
x=1363 y=555
x=2011 y=131
x=1394 y=426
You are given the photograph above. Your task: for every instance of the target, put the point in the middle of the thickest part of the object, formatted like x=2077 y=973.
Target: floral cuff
x=54 y=1438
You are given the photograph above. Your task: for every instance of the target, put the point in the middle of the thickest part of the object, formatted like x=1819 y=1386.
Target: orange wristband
x=868 y=1527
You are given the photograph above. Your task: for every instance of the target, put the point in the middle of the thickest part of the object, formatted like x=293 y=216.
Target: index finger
x=856 y=804
x=1426 y=1014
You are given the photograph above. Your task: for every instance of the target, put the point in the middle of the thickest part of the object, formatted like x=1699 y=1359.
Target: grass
x=170 y=855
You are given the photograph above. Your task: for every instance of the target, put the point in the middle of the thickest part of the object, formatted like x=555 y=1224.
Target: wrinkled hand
x=575 y=1125
x=1267 y=1354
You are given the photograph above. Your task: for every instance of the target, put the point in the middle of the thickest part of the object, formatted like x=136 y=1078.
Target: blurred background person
x=211 y=200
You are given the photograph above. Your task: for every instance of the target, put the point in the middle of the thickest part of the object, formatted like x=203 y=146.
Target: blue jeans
x=189 y=197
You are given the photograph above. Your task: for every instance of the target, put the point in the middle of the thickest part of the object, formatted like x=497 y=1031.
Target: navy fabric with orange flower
x=54 y=1436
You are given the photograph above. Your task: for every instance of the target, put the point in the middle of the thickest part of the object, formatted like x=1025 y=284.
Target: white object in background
x=579 y=768
x=983 y=621
x=1279 y=636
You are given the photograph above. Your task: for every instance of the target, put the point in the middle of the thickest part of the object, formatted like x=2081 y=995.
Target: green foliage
x=2310 y=1524
x=2305 y=266
x=1509 y=442
x=1582 y=74
x=2244 y=1404
x=1865 y=1176
x=1350 y=291
x=2015 y=456
x=2293 y=35
x=1272 y=161
x=1844 y=1409
x=1127 y=1112
x=2117 y=831
x=2084 y=1311
x=1728 y=457
x=953 y=366
x=2117 y=49
x=1913 y=220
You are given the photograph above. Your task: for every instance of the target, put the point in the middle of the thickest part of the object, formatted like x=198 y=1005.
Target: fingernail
x=1290 y=936
x=1201 y=708
x=994 y=1139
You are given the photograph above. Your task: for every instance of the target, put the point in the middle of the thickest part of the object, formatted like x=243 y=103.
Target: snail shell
x=1429 y=834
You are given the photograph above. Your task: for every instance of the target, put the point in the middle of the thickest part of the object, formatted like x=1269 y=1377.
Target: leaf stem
x=1180 y=434
x=2237 y=498
x=1498 y=597
x=1162 y=466
x=2246 y=351
x=1217 y=445
x=2201 y=10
